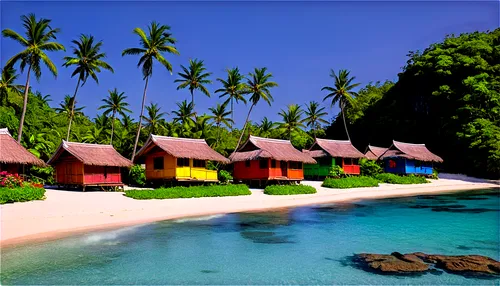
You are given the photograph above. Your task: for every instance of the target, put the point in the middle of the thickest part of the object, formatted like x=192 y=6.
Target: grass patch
x=190 y=192
x=289 y=190
x=21 y=194
x=350 y=182
x=395 y=179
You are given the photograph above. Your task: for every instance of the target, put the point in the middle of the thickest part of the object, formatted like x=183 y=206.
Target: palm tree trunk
x=112 y=127
x=218 y=133
x=232 y=113
x=343 y=117
x=21 y=123
x=72 y=109
x=314 y=131
x=140 y=119
x=243 y=131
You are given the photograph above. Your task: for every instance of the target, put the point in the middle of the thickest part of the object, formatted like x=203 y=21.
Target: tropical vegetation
x=350 y=182
x=289 y=190
x=190 y=192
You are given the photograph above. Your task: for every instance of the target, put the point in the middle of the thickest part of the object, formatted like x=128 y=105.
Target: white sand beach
x=70 y=212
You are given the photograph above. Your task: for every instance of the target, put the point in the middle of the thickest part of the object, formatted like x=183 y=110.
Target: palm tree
x=94 y=135
x=342 y=92
x=45 y=99
x=101 y=121
x=201 y=128
x=258 y=86
x=115 y=103
x=184 y=114
x=220 y=116
x=315 y=116
x=67 y=107
x=157 y=41
x=87 y=61
x=154 y=119
x=265 y=126
x=7 y=84
x=292 y=119
x=233 y=87
x=127 y=121
x=194 y=78
x=39 y=33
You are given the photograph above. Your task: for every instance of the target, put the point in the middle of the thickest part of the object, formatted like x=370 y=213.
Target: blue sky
x=299 y=42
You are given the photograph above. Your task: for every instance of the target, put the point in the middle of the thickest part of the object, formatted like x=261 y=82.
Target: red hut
x=374 y=153
x=331 y=153
x=83 y=164
x=13 y=156
x=263 y=159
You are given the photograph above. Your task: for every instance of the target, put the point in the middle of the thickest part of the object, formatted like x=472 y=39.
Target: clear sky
x=299 y=42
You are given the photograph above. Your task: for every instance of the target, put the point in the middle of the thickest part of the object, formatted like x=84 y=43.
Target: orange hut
x=263 y=159
x=13 y=156
x=178 y=159
x=82 y=164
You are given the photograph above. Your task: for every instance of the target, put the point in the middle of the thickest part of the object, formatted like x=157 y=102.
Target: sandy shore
x=71 y=212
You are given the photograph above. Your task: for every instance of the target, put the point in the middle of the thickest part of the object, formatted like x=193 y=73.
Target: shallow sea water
x=304 y=245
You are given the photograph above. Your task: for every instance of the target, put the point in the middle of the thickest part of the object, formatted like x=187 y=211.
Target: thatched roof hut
x=334 y=148
x=411 y=151
x=374 y=153
x=11 y=152
x=264 y=148
x=181 y=148
x=91 y=154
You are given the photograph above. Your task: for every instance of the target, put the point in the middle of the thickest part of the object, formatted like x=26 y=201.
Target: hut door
x=284 y=168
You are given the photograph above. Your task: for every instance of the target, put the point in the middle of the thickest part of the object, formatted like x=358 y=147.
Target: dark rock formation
x=418 y=262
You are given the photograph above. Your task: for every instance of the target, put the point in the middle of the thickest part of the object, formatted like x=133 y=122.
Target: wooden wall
x=68 y=170
x=102 y=175
x=169 y=166
x=242 y=172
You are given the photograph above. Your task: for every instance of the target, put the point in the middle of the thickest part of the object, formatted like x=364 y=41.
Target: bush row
x=289 y=190
x=350 y=182
x=190 y=192
x=395 y=179
x=21 y=194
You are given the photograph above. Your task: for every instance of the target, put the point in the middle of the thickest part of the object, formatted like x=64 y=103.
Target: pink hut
x=14 y=158
x=82 y=164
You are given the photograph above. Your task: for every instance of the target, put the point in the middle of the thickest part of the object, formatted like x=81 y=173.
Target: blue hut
x=407 y=158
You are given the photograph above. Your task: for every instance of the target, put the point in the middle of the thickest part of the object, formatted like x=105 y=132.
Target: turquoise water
x=304 y=245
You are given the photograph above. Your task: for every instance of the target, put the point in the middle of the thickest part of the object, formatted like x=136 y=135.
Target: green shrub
x=42 y=175
x=335 y=171
x=224 y=177
x=289 y=190
x=369 y=167
x=137 y=176
x=21 y=194
x=190 y=192
x=395 y=179
x=212 y=165
x=350 y=182
x=435 y=175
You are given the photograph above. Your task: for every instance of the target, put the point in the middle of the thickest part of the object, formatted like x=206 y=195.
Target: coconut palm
x=265 y=127
x=314 y=116
x=127 y=121
x=115 y=104
x=39 y=35
x=88 y=61
x=201 y=128
x=7 y=84
x=67 y=108
x=94 y=135
x=154 y=119
x=158 y=40
x=102 y=121
x=184 y=114
x=194 y=78
x=342 y=92
x=233 y=87
x=45 y=99
x=292 y=120
x=220 y=116
x=258 y=86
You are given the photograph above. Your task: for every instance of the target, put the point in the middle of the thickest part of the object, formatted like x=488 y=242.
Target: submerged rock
x=418 y=262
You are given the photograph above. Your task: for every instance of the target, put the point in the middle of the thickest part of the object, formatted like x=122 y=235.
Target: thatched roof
x=11 y=152
x=411 y=151
x=336 y=148
x=181 y=148
x=373 y=152
x=262 y=148
x=91 y=154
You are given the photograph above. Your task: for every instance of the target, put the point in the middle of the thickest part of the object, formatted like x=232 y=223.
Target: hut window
x=263 y=164
x=247 y=164
x=347 y=161
x=273 y=163
x=296 y=165
x=182 y=162
x=105 y=172
x=158 y=163
x=199 y=164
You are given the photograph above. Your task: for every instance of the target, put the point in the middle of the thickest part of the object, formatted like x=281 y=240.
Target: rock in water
x=394 y=263
x=463 y=263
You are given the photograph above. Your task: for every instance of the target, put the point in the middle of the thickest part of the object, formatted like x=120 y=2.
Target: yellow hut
x=178 y=159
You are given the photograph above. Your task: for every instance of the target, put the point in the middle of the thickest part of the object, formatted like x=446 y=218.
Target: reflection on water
x=305 y=245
